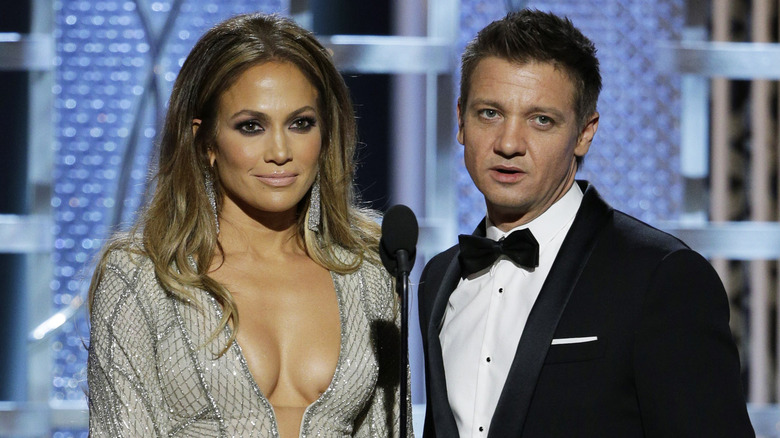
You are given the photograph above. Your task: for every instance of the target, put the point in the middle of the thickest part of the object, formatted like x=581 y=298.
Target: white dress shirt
x=486 y=315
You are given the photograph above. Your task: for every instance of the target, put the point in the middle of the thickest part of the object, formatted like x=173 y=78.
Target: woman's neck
x=260 y=234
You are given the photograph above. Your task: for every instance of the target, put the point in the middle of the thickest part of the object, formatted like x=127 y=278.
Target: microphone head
x=399 y=233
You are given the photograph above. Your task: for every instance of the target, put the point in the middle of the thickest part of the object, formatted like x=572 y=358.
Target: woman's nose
x=278 y=151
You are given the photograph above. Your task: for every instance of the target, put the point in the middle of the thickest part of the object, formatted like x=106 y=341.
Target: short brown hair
x=534 y=36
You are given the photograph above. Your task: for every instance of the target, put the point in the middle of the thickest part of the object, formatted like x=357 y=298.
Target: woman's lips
x=278 y=179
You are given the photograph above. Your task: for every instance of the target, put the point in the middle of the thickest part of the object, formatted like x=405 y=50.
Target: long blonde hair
x=178 y=226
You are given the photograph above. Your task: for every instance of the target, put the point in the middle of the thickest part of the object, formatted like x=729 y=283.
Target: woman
x=253 y=216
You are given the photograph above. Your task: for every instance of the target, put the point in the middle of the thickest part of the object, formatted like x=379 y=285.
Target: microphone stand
x=402 y=289
x=397 y=251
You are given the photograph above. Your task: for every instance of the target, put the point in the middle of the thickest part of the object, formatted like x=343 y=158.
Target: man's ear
x=460 y=109
x=586 y=135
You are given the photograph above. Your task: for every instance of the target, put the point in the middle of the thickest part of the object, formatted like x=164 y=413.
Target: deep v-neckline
x=236 y=348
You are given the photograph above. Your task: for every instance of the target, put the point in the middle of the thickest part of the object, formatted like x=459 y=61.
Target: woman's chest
x=197 y=381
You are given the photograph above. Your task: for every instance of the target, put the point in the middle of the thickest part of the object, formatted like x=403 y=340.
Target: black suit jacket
x=664 y=364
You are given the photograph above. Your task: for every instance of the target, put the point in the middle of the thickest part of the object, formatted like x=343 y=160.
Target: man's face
x=521 y=136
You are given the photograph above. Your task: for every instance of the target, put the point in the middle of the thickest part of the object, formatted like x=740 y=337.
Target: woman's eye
x=303 y=124
x=250 y=127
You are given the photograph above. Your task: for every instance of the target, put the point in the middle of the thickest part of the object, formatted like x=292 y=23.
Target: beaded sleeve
x=124 y=398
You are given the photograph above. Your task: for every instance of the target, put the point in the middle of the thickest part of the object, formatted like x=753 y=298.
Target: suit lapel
x=443 y=417
x=509 y=416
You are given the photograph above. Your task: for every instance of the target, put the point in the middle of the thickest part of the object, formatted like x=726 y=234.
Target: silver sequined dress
x=153 y=373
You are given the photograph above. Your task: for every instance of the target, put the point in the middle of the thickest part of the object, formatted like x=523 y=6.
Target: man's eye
x=489 y=113
x=544 y=120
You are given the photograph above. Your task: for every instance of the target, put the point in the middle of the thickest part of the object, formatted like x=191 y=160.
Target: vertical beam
x=370 y=93
x=41 y=165
x=694 y=124
x=407 y=118
x=719 y=176
x=407 y=155
x=760 y=211
x=14 y=86
x=721 y=14
x=441 y=199
x=776 y=147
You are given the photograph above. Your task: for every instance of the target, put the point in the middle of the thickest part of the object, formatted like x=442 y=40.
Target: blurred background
x=688 y=142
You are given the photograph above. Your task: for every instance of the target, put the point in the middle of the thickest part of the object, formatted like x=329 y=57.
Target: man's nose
x=511 y=140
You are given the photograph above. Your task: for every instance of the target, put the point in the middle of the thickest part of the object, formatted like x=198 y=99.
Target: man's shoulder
x=440 y=261
x=633 y=233
x=618 y=234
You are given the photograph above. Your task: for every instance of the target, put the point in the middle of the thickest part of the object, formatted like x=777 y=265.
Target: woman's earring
x=212 y=195
x=315 y=212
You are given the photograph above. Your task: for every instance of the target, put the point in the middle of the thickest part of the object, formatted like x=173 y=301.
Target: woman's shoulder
x=123 y=271
x=368 y=265
x=373 y=284
x=124 y=265
x=125 y=253
x=374 y=270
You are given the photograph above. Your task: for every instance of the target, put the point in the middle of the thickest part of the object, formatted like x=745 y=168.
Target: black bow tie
x=477 y=253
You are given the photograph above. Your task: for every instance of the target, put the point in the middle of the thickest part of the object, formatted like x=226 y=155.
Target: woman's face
x=268 y=140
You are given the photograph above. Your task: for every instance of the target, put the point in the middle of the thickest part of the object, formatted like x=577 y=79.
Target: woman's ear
x=195 y=125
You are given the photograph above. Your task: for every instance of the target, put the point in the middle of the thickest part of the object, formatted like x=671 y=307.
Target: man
x=590 y=323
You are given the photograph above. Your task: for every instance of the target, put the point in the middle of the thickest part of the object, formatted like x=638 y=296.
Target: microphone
x=397 y=247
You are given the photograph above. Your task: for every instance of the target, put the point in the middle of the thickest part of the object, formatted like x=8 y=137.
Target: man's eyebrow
x=549 y=110
x=485 y=102
x=480 y=101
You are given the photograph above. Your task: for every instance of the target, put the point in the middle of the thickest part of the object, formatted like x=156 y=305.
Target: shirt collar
x=549 y=223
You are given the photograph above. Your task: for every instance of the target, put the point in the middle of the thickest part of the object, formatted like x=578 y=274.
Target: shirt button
x=481 y=429
x=488 y=359
x=500 y=290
